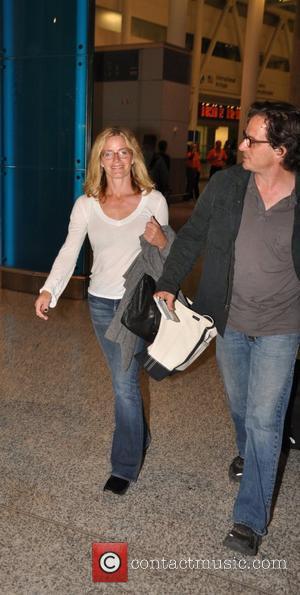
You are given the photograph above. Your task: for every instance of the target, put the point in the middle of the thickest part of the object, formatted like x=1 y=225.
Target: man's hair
x=283 y=129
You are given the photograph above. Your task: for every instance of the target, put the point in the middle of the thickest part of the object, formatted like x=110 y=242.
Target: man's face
x=258 y=157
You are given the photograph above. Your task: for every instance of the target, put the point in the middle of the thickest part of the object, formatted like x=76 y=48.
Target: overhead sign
x=216 y=111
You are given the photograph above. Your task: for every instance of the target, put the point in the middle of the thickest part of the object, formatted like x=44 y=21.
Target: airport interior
x=183 y=71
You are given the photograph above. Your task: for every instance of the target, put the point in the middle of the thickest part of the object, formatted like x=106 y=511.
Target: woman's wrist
x=162 y=243
x=46 y=291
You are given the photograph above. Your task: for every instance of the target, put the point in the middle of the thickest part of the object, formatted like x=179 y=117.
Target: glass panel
x=148 y=30
x=46 y=62
x=176 y=66
x=35 y=212
x=40 y=103
x=108 y=20
x=227 y=51
x=36 y=27
x=279 y=63
x=116 y=66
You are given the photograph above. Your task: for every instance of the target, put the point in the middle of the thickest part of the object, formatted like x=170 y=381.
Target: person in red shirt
x=192 y=171
x=217 y=158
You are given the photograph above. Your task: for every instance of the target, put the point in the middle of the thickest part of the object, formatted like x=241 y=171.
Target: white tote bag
x=178 y=344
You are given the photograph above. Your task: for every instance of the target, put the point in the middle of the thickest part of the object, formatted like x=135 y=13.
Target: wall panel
x=46 y=66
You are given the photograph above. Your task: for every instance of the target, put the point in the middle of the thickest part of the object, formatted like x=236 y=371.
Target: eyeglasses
x=252 y=141
x=124 y=153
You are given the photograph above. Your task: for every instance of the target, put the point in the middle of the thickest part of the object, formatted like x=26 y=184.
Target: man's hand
x=168 y=297
x=42 y=304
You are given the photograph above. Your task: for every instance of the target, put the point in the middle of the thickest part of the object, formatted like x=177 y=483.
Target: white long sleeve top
x=115 y=244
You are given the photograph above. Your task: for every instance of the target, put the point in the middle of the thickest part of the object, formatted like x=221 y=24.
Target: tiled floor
x=56 y=420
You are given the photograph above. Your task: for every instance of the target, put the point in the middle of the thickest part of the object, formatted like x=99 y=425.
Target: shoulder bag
x=141 y=315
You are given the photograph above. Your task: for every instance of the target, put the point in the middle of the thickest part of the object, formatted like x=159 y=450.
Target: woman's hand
x=169 y=298
x=154 y=234
x=42 y=304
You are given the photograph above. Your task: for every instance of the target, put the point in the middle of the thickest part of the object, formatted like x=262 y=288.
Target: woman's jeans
x=130 y=434
x=258 y=376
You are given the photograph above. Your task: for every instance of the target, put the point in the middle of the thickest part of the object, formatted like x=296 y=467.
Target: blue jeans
x=258 y=375
x=130 y=433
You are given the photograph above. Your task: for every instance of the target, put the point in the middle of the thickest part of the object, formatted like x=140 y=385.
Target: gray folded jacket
x=150 y=261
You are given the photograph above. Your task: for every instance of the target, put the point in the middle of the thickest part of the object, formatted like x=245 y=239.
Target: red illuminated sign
x=219 y=112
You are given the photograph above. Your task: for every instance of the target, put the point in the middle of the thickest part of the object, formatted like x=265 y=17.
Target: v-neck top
x=115 y=244
x=266 y=290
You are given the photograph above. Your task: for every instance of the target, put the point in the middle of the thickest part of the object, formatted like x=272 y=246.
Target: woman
x=217 y=158
x=123 y=215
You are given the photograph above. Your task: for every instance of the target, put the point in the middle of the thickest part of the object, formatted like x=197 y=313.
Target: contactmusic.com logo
x=109 y=562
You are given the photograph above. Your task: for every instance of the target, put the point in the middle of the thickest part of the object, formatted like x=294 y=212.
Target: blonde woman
x=123 y=215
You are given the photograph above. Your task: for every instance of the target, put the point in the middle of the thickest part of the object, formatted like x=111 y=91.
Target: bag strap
x=183 y=299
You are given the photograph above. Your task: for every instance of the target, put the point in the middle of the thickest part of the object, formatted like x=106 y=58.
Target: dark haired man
x=247 y=225
x=159 y=167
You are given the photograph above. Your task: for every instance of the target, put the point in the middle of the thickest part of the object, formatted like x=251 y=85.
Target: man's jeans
x=258 y=375
x=130 y=434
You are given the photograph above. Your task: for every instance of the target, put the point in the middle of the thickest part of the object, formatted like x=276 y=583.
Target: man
x=158 y=164
x=162 y=151
x=247 y=225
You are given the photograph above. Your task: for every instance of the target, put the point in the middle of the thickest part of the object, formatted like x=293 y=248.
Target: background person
x=230 y=150
x=193 y=168
x=217 y=158
x=122 y=215
x=249 y=235
x=162 y=152
x=157 y=163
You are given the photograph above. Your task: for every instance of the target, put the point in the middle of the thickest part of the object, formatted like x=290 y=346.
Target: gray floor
x=56 y=427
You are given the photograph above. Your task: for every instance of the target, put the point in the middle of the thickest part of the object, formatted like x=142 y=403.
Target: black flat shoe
x=117 y=485
x=243 y=539
x=236 y=469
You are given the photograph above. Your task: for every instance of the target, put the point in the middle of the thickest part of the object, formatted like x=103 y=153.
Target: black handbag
x=142 y=316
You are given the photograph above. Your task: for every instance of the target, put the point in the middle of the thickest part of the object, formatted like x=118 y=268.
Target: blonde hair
x=96 y=182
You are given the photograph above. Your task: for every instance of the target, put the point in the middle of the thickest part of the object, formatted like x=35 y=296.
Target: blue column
x=46 y=59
